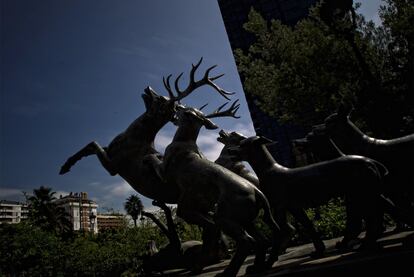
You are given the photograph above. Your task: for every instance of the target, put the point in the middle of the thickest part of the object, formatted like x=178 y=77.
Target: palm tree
x=133 y=207
x=45 y=213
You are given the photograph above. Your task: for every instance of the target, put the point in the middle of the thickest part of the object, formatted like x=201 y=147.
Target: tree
x=133 y=207
x=303 y=73
x=43 y=212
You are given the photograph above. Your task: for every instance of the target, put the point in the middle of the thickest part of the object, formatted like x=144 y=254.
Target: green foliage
x=329 y=220
x=29 y=250
x=301 y=74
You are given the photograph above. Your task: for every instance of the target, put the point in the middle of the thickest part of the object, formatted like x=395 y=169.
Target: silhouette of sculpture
x=322 y=148
x=207 y=186
x=129 y=152
x=396 y=154
x=235 y=164
x=231 y=162
x=355 y=177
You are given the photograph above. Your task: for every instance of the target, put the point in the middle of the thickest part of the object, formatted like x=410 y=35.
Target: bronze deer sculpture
x=232 y=162
x=294 y=188
x=207 y=186
x=396 y=154
x=132 y=154
x=323 y=148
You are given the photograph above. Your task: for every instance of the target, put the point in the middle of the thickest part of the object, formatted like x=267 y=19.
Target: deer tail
x=264 y=204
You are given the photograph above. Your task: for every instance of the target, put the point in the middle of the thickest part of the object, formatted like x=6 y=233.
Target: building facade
x=12 y=212
x=110 y=221
x=81 y=210
x=235 y=14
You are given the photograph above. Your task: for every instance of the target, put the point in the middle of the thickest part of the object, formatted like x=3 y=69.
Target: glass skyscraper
x=235 y=13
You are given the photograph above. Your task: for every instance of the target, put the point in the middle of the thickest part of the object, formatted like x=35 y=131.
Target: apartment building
x=12 y=211
x=81 y=210
x=110 y=221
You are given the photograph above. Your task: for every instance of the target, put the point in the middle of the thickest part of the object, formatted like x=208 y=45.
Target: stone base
x=396 y=258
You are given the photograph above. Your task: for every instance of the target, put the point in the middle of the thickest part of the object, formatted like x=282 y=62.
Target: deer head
x=157 y=104
x=249 y=147
x=232 y=138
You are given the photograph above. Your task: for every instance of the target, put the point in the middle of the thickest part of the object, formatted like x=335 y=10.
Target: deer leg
x=244 y=243
x=373 y=217
x=286 y=230
x=303 y=219
x=172 y=230
x=260 y=250
x=353 y=224
x=92 y=148
x=185 y=210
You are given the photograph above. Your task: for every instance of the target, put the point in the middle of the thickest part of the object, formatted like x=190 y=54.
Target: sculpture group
x=374 y=176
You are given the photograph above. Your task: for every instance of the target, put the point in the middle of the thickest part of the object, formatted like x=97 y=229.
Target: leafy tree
x=301 y=74
x=28 y=250
x=45 y=213
x=133 y=207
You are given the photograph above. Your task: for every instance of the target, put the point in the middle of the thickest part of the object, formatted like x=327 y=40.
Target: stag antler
x=193 y=85
x=229 y=112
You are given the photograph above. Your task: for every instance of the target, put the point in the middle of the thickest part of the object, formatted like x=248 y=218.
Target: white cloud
x=245 y=128
x=163 y=139
x=210 y=147
x=119 y=189
x=9 y=193
x=113 y=195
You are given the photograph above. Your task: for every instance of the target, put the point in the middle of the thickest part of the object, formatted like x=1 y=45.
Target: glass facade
x=234 y=14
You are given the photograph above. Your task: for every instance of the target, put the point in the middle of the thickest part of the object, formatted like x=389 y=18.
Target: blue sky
x=73 y=72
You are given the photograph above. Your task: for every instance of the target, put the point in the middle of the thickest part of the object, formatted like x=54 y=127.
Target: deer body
x=396 y=154
x=356 y=177
x=232 y=162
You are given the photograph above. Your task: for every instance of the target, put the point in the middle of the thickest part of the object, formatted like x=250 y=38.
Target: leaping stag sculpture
x=356 y=177
x=396 y=154
x=126 y=154
x=207 y=186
